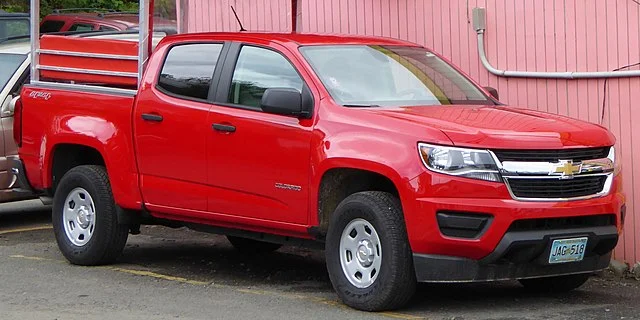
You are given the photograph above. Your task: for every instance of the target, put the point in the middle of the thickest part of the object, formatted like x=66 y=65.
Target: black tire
x=557 y=284
x=396 y=282
x=109 y=237
x=252 y=246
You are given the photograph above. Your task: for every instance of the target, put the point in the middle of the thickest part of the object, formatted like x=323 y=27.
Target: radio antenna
x=238 y=19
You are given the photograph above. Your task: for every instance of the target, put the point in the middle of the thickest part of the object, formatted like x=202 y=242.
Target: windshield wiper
x=26 y=36
x=362 y=105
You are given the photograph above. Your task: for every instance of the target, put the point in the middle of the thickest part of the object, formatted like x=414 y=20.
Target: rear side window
x=81 y=27
x=51 y=26
x=188 y=69
x=107 y=28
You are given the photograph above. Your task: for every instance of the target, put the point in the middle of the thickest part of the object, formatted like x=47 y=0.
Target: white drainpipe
x=479 y=24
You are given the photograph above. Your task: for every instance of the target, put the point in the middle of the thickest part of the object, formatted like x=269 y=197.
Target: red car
x=377 y=150
x=63 y=21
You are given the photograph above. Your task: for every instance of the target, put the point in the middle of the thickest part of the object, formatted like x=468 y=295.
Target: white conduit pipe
x=480 y=26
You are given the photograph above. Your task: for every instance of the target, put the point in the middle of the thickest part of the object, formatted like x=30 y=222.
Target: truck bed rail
x=90 y=64
x=88 y=61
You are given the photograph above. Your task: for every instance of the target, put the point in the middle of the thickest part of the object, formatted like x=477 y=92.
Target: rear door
x=258 y=163
x=171 y=129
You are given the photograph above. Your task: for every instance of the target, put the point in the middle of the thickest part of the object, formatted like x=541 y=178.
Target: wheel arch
x=65 y=156
x=345 y=177
x=114 y=152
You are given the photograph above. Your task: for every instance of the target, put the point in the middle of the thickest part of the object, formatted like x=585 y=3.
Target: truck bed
x=76 y=118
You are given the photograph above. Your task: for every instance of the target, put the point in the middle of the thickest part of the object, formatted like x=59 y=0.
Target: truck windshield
x=9 y=63
x=389 y=76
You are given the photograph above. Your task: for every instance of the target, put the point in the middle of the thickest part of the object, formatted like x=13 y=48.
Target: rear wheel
x=368 y=257
x=555 y=284
x=252 y=246
x=84 y=217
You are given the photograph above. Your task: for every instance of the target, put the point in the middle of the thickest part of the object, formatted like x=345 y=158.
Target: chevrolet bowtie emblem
x=566 y=168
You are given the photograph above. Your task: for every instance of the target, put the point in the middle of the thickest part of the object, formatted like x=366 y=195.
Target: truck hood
x=502 y=127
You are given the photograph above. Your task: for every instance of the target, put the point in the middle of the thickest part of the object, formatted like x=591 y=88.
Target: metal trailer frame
x=145 y=32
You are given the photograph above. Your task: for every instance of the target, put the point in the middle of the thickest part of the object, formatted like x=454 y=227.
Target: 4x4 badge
x=566 y=169
x=288 y=186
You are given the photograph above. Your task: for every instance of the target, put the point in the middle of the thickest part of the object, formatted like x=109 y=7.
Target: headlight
x=615 y=158
x=469 y=163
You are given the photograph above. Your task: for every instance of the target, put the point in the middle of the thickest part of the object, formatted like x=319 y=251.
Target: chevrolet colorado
x=377 y=150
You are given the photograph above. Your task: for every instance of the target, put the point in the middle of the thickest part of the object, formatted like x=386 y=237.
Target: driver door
x=258 y=163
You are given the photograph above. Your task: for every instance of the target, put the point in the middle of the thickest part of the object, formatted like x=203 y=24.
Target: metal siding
x=256 y=15
x=532 y=35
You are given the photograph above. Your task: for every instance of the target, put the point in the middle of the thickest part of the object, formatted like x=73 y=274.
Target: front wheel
x=84 y=217
x=555 y=284
x=368 y=257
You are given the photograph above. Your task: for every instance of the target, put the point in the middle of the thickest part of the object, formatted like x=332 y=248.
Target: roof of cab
x=297 y=38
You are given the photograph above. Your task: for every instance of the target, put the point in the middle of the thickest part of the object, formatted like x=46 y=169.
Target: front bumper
x=17 y=170
x=16 y=183
x=464 y=230
x=439 y=204
x=520 y=254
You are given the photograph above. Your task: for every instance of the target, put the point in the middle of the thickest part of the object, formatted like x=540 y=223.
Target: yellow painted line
x=30 y=258
x=26 y=229
x=251 y=291
x=400 y=315
x=155 y=275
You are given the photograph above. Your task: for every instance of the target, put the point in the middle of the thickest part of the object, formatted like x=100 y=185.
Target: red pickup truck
x=376 y=150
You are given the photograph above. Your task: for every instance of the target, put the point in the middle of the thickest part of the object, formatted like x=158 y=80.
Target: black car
x=13 y=24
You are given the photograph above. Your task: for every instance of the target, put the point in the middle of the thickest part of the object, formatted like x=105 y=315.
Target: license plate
x=568 y=250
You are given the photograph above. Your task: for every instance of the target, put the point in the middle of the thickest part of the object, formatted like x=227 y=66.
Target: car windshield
x=13 y=27
x=389 y=76
x=9 y=63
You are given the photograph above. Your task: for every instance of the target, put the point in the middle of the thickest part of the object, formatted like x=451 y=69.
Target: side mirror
x=283 y=101
x=9 y=105
x=493 y=92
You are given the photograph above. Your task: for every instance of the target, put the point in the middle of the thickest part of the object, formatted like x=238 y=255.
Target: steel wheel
x=360 y=253
x=79 y=216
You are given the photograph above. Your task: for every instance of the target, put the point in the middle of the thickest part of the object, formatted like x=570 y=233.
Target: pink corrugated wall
x=256 y=15
x=531 y=35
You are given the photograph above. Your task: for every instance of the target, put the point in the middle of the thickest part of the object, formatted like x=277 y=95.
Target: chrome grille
x=556 y=175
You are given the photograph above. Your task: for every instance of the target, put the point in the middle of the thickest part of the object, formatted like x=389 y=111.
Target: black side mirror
x=283 y=101
x=493 y=92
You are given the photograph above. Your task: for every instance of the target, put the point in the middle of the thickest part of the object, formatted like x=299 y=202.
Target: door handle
x=151 y=117
x=224 y=127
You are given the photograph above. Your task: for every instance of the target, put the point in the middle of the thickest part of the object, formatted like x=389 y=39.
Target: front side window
x=257 y=70
x=9 y=64
x=188 y=69
x=368 y=75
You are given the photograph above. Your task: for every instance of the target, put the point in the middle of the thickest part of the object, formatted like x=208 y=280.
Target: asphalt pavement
x=169 y=273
